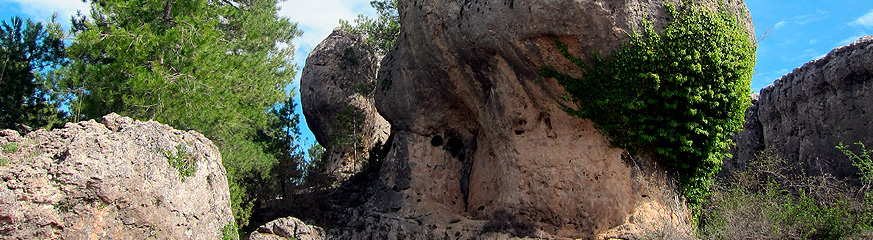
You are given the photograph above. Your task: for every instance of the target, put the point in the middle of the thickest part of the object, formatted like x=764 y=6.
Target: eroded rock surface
x=111 y=181
x=804 y=114
x=337 y=95
x=477 y=132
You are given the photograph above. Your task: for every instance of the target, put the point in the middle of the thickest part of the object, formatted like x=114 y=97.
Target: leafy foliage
x=29 y=52
x=212 y=66
x=676 y=95
x=862 y=160
x=229 y=232
x=381 y=32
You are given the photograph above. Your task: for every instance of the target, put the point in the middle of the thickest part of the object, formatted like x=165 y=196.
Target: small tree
x=382 y=31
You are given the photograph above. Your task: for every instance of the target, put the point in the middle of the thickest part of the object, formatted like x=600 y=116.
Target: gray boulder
x=337 y=97
x=112 y=180
x=287 y=228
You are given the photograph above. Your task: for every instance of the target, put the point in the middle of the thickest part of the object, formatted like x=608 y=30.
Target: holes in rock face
x=454 y=146
x=436 y=141
x=480 y=208
x=520 y=127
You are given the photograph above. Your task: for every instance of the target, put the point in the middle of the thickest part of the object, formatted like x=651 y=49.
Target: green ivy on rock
x=677 y=96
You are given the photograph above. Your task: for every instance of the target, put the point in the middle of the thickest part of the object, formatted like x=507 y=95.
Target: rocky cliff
x=122 y=179
x=481 y=144
x=336 y=89
x=804 y=114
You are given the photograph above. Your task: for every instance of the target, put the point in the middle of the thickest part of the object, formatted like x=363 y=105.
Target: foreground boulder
x=337 y=95
x=481 y=145
x=287 y=228
x=804 y=114
x=112 y=180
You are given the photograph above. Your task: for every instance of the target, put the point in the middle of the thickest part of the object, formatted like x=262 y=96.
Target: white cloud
x=318 y=18
x=43 y=9
x=866 y=20
x=780 y=24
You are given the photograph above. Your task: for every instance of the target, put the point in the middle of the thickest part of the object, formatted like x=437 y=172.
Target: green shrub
x=678 y=95
x=775 y=214
x=862 y=161
x=11 y=147
x=182 y=160
x=773 y=199
x=229 y=232
x=3 y=161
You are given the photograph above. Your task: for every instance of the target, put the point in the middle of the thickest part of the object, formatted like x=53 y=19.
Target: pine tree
x=29 y=52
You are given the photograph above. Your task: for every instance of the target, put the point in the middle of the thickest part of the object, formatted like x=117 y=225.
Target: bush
x=11 y=147
x=863 y=162
x=774 y=199
x=182 y=160
x=229 y=232
x=677 y=96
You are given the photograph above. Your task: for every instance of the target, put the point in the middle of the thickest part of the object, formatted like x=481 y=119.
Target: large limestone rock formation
x=480 y=141
x=111 y=181
x=804 y=114
x=337 y=95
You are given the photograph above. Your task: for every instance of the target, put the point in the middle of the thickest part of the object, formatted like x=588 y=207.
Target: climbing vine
x=678 y=95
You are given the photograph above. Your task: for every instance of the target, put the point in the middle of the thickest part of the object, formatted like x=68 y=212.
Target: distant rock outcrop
x=481 y=143
x=804 y=114
x=114 y=180
x=337 y=96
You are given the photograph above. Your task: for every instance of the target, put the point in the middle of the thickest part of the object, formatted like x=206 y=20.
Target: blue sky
x=799 y=31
